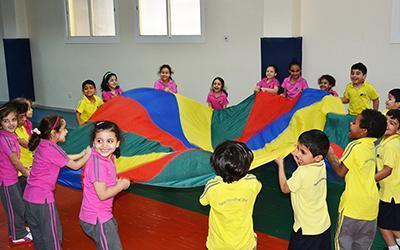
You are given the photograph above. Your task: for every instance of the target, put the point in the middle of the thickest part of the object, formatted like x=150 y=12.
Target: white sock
x=398 y=241
x=396 y=247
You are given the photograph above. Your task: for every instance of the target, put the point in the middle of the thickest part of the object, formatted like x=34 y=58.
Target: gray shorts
x=353 y=234
x=104 y=234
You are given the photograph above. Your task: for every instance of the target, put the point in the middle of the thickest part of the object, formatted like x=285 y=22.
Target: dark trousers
x=298 y=241
x=104 y=234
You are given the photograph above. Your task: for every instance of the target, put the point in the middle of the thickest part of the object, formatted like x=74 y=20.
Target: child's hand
x=257 y=89
x=27 y=172
x=279 y=161
x=167 y=89
x=123 y=183
x=87 y=150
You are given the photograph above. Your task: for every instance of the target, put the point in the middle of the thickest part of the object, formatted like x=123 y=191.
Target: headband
x=55 y=123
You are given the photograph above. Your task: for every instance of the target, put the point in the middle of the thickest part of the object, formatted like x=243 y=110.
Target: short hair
x=21 y=104
x=88 y=82
x=273 y=66
x=360 y=66
x=374 y=122
x=231 y=160
x=316 y=141
x=329 y=78
x=394 y=114
x=6 y=109
x=396 y=94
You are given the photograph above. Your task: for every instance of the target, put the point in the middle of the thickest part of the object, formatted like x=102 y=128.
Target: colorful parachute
x=168 y=139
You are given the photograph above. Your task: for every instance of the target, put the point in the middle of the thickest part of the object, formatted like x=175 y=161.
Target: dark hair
x=165 y=66
x=374 y=122
x=222 y=83
x=47 y=124
x=273 y=66
x=21 y=104
x=394 y=114
x=329 y=78
x=316 y=141
x=360 y=66
x=396 y=94
x=294 y=62
x=231 y=160
x=108 y=125
x=88 y=82
x=106 y=78
x=6 y=109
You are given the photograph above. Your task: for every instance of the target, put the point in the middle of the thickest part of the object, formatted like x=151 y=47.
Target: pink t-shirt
x=294 y=89
x=49 y=158
x=97 y=169
x=8 y=145
x=28 y=127
x=217 y=102
x=271 y=84
x=171 y=85
x=107 y=95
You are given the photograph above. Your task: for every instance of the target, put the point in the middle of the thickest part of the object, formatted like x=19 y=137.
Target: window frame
x=91 y=39
x=167 y=38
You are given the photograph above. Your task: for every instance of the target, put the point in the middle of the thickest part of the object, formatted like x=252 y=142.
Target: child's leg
x=343 y=236
x=33 y=218
x=15 y=210
x=104 y=234
x=365 y=234
x=22 y=183
x=389 y=221
x=299 y=241
x=388 y=237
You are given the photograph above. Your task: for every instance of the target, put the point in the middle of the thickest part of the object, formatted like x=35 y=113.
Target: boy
x=389 y=181
x=393 y=101
x=231 y=196
x=358 y=207
x=89 y=103
x=307 y=188
x=359 y=93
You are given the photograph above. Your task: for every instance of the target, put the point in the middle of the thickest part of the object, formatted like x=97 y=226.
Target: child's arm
x=282 y=176
x=17 y=164
x=273 y=90
x=78 y=118
x=375 y=104
x=104 y=192
x=339 y=168
x=22 y=142
x=75 y=162
x=383 y=173
x=345 y=100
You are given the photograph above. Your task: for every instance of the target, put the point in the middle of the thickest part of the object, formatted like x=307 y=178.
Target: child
x=10 y=192
x=89 y=103
x=393 y=101
x=326 y=83
x=26 y=156
x=359 y=93
x=307 y=188
x=231 y=196
x=109 y=86
x=217 y=97
x=388 y=153
x=269 y=83
x=101 y=185
x=166 y=82
x=358 y=208
x=49 y=158
x=294 y=84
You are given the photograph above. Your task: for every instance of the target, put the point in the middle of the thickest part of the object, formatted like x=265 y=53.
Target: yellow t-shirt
x=360 y=98
x=389 y=155
x=360 y=197
x=26 y=156
x=308 y=196
x=231 y=214
x=86 y=108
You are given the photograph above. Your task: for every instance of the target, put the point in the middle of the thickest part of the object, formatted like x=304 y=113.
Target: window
x=91 y=21
x=170 y=20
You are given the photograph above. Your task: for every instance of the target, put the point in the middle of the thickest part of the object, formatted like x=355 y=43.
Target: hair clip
x=36 y=131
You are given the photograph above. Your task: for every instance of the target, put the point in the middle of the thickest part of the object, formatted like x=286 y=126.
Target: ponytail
x=33 y=141
x=47 y=124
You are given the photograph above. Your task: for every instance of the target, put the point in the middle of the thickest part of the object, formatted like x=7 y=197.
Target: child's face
x=29 y=113
x=10 y=122
x=391 y=103
x=294 y=71
x=165 y=74
x=60 y=135
x=217 y=86
x=113 y=82
x=22 y=119
x=105 y=143
x=303 y=156
x=89 y=90
x=393 y=126
x=324 y=85
x=355 y=131
x=270 y=72
x=357 y=77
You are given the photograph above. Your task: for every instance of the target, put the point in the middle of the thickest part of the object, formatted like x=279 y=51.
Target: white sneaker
x=27 y=239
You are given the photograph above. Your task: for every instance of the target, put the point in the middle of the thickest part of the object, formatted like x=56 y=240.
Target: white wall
x=340 y=33
x=59 y=68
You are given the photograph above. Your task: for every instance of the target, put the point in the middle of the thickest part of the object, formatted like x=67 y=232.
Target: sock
x=398 y=241
x=396 y=247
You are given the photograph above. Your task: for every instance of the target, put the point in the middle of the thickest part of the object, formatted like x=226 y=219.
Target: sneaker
x=27 y=239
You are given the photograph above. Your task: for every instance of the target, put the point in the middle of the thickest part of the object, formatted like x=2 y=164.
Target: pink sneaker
x=27 y=239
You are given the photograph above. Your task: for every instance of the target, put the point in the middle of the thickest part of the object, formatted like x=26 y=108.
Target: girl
x=326 y=83
x=109 y=86
x=10 y=192
x=269 y=84
x=294 y=84
x=217 y=97
x=101 y=185
x=165 y=82
x=42 y=213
